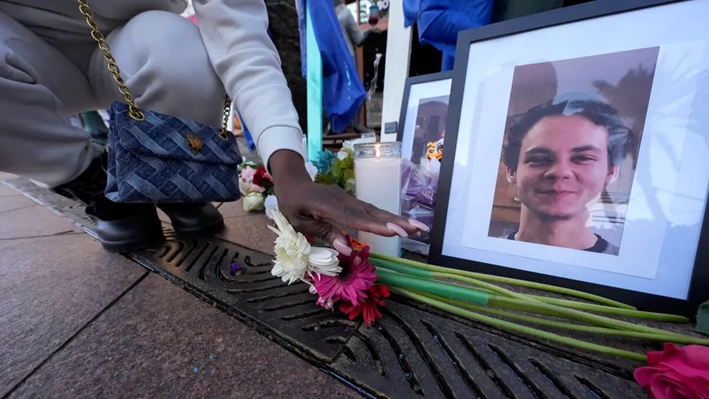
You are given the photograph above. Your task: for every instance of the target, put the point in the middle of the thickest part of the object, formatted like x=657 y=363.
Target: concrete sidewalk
x=78 y=322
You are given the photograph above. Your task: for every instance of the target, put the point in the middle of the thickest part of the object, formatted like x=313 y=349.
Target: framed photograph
x=579 y=157
x=422 y=127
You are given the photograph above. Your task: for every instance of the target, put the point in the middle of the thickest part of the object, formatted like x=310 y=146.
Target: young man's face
x=563 y=166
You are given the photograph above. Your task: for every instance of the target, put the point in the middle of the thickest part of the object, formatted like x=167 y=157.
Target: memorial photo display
x=578 y=156
x=422 y=129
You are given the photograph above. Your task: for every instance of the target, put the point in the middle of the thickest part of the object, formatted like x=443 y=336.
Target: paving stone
x=159 y=342
x=13 y=202
x=49 y=289
x=235 y=209
x=249 y=231
x=7 y=191
x=33 y=221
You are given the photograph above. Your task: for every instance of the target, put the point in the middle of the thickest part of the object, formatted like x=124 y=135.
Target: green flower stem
x=504 y=280
x=684 y=340
x=557 y=311
x=614 y=311
x=506 y=325
x=391 y=278
x=493 y=289
x=590 y=307
x=428 y=275
x=400 y=268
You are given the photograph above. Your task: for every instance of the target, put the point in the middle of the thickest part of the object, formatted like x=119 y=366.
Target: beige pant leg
x=165 y=65
x=39 y=89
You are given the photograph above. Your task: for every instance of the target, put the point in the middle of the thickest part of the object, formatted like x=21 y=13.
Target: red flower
x=261 y=177
x=676 y=373
x=368 y=307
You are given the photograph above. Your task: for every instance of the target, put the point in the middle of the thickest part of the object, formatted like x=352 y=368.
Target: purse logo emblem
x=194 y=143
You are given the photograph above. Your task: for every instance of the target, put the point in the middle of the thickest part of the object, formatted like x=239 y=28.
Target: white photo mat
x=658 y=249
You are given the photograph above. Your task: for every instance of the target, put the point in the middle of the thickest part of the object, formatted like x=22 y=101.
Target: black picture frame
x=422 y=241
x=699 y=286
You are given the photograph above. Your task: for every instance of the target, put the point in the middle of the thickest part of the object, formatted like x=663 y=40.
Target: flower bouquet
x=255 y=185
x=348 y=283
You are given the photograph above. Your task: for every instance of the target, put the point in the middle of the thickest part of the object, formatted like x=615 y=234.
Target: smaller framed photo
x=422 y=129
x=579 y=157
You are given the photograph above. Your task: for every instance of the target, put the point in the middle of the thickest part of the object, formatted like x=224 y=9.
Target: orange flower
x=356 y=244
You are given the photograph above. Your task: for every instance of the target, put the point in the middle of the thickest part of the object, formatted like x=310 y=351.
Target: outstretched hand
x=322 y=211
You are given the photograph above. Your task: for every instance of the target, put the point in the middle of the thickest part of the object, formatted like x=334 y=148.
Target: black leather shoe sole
x=130 y=234
x=194 y=220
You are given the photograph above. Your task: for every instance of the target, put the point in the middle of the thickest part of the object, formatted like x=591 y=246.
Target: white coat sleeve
x=244 y=57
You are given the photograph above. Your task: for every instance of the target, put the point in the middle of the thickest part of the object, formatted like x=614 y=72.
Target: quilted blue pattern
x=150 y=161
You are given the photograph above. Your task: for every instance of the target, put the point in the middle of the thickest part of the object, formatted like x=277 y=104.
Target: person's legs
x=165 y=65
x=39 y=88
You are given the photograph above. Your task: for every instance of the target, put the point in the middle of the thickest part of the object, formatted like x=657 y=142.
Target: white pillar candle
x=378 y=182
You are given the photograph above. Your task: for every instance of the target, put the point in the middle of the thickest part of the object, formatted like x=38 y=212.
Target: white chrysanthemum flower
x=291 y=251
x=323 y=261
x=295 y=257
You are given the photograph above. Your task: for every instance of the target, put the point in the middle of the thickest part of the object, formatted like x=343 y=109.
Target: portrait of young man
x=560 y=156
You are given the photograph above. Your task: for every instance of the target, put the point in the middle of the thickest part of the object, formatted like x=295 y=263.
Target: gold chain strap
x=134 y=110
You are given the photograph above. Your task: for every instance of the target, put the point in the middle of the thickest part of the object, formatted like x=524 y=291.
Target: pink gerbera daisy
x=351 y=285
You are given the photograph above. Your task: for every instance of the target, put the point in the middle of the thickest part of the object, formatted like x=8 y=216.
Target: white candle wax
x=378 y=182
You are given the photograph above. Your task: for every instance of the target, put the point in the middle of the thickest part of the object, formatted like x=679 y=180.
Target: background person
x=354 y=38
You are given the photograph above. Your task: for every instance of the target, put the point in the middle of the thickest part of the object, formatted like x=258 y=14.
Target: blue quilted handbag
x=168 y=159
x=157 y=158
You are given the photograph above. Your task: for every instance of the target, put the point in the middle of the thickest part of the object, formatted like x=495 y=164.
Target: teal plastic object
x=314 y=84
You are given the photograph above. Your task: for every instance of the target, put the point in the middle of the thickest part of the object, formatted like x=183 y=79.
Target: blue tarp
x=439 y=22
x=343 y=92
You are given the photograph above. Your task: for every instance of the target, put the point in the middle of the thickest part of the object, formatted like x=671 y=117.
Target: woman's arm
x=244 y=57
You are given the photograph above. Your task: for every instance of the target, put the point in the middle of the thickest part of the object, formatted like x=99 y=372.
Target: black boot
x=194 y=219
x=120 y=227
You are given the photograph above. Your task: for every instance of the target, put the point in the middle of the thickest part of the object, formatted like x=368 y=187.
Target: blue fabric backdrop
x=439 y=22
x=343 y=92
